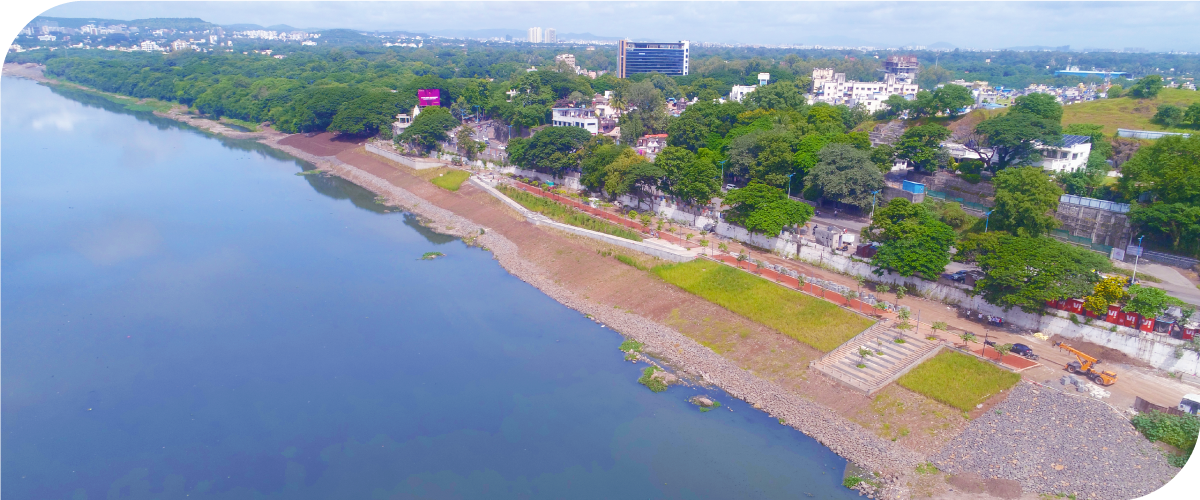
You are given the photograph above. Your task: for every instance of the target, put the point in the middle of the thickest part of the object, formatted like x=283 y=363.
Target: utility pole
x=987 y=218
x=1136 y=257
x=790 y=184
x=873 y=194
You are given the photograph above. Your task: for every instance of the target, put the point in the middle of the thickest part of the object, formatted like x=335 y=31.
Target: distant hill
x=1127 y=112
x=155 y=23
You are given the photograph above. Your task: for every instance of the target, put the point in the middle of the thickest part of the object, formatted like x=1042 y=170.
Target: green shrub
x=1176 y=430
x=627 y=260
x=631 y=345
x=566 y=214
x=647 y=379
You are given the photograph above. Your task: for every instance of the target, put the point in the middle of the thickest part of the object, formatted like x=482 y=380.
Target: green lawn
x=958 y=379
x=810 y=320
x=1127 y=112
x=451 y=180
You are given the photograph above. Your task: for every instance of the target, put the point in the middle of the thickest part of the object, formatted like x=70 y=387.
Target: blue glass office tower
x=649 y=57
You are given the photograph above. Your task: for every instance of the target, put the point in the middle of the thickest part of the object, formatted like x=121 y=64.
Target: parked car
x=729 y=187
x=959 y=276
x=1025 y=351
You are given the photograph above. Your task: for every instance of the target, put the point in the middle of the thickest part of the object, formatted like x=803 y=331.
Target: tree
x=779 y=95
x=1013 y=139
x=689 y=176
x=1149 y=302
x=1025 y=201
x=952 y=98
x=601 y=153
x=1191 y=116
x=764 y=209
x=896 y=105
x=763 y=155
x=846 y=174
x=1147 y=87
x=429 y=128
x=1177 y=224
x=967 y=337
x=1114 y=91
x=1108 y=291
x=622 y=173
x=1002 y=350
x=642 y=177
x=1028 y=272
x=912 y=241
x=687 y=131
x=369 y=114
x=552 y=150
x=465 y=139
x=1169 y=115
x=920 y=145
x=884 y=157
x=1169 y=170
x=1044 y=106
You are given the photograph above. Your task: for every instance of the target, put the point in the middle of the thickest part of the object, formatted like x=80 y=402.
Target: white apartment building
x=833 y=88
x=1071 y=156
x=738 y=92
x=551 y=36
x=535 y=35
x=576 y=117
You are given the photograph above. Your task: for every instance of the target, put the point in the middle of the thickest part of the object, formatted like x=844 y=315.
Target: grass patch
x=812 y=321
x=1127 y=112
x=1142 y=276
x=250 y=126
x=627 y=260
x=451 y=180
x=957 y=379
x=647 y=379
x=566 y=214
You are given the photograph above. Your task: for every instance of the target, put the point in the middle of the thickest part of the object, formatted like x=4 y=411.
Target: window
x=1074 y=156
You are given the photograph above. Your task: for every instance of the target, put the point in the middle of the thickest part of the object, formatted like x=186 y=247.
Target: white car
x=729 y=187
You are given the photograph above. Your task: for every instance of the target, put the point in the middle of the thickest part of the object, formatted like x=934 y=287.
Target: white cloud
x=1154 y=25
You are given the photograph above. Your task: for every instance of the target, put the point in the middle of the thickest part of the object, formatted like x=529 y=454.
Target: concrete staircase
x=886 y=134
x=897 y=359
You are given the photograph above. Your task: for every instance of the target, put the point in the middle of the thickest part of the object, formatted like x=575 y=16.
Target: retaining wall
x=541 y=220
x=1157 y=350
x=408 y=161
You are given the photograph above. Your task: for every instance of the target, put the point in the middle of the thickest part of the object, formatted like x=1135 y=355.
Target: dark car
x=1024 y=350
x=959 y=276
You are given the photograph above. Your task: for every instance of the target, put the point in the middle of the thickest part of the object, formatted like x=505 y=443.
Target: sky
x=982 y=25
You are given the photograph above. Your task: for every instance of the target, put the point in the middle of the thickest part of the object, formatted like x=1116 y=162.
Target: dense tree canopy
x=1028 y=272
x=689 y=176
x=551 y=150
x=1025 y=201
x=765 y=209
x=429 y=128
x=922 y=146
x=912 y=241
x=846 y=174
x=1146 y=88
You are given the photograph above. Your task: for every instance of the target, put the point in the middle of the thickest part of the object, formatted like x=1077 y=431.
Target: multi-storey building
x=551 y=36
x=834 y=88
x=652 y=57
x=576 y=117
x=535 y=35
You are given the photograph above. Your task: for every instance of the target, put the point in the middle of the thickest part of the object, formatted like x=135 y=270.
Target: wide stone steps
x=879 y=370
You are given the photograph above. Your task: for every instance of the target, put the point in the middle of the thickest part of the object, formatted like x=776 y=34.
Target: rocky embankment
x=1054 y=443
x=842 y=436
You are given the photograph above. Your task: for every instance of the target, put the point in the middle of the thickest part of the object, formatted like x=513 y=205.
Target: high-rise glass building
x=649 y=57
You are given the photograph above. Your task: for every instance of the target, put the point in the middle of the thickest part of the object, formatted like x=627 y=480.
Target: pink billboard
x=429 y=97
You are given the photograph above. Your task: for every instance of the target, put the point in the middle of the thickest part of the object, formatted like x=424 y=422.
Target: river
x=185 y=317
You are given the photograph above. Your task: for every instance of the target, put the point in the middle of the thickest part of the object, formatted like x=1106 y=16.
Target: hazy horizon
x=968 y=25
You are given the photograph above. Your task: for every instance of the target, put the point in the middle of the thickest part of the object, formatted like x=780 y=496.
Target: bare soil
x=322 y=144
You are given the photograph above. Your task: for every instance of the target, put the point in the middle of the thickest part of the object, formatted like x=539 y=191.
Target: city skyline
x=967 y=25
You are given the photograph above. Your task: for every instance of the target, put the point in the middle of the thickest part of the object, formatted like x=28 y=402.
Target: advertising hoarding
x=429 y=97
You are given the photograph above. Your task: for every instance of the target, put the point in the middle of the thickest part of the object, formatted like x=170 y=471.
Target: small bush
x=1179 y=431
x=627 y=260
x=631 y=345
x=647 y=379
x=851 y=481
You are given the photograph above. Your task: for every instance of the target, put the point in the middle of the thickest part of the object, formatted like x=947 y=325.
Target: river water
x=184 y=317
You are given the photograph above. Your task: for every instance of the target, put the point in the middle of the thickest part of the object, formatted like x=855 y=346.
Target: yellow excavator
x=1086 y=366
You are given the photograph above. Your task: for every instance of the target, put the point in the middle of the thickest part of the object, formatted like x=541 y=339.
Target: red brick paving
x=1016 y=362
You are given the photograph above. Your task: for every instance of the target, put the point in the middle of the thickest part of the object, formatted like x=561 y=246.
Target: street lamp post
x=987 y=218
x=873 y=194
x=1135 y=260
x=790 y=184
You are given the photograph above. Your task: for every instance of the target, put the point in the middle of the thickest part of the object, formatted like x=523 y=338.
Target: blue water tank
x=914 y=187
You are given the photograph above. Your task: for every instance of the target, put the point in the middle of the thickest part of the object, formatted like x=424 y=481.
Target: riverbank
x=704 y=342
